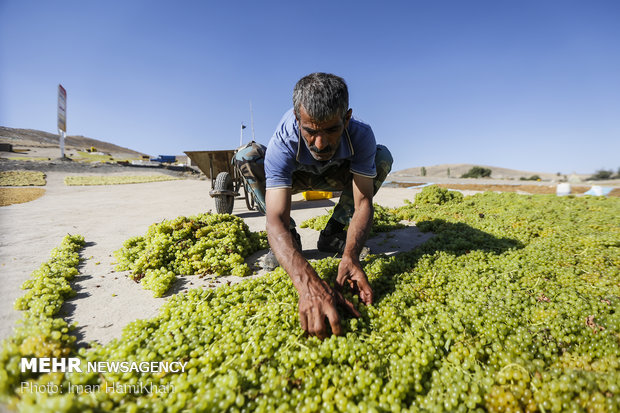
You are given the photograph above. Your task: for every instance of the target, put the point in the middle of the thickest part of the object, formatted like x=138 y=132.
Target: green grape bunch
x=384 y=220
x=436 y=195
x=203 y=244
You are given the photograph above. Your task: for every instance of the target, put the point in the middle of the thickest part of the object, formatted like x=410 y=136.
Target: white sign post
x=62 y=118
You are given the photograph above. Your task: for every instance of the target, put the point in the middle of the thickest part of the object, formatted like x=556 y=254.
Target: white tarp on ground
x=599 y=190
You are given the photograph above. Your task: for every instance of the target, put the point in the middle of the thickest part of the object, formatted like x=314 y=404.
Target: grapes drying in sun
x=22 y=178
x=203 y=244
x=83 y=180
x=384 y=220
x=512 y=306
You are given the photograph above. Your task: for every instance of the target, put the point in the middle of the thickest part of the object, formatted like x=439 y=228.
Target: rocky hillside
x=31 y=138
x=457 y=170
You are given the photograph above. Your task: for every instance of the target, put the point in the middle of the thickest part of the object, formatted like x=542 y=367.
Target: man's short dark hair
x=322 y=95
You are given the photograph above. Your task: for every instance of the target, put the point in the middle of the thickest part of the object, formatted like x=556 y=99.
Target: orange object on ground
x=313 y=195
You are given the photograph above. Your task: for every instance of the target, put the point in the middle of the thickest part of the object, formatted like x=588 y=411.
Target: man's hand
x=317 y=302
x=350 y=270
x=350 y=273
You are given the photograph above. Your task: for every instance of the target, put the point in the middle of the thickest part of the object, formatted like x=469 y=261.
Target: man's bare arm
x=361 y=222
x=317 y=300
x=350 y=269
x=278 y=203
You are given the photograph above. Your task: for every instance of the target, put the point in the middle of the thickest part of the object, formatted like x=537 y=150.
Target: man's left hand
x=350 y=272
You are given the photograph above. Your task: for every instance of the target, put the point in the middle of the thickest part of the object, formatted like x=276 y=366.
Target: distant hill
x=40 y=139
x=457 y=170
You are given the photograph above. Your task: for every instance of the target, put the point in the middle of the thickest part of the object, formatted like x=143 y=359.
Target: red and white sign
x=62 y=108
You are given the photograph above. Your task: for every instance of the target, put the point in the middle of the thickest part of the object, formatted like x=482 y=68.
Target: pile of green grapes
x=203 y=244
x=384 y=220
x=435 y=195
x=22 y=178
x=82 y=180
x=512 y=306
x=38 y=333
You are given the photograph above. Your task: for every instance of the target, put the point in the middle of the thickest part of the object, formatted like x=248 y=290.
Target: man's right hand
x=318 y=301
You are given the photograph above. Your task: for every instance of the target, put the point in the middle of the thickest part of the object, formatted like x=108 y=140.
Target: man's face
x=322 y=138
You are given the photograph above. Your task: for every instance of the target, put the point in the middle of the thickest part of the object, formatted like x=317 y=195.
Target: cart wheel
x=224 y=203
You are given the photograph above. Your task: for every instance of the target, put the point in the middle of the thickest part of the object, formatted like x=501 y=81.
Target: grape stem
x=516 y=365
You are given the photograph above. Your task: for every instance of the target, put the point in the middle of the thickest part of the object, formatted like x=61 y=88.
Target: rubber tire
x=224 y=203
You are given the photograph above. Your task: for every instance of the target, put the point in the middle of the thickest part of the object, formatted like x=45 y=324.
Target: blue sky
x=532 y=85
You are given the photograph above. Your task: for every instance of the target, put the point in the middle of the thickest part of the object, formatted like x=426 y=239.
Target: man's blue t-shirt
x=286 y=153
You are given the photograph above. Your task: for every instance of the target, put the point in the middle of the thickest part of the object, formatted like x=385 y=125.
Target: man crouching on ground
x=319 y=146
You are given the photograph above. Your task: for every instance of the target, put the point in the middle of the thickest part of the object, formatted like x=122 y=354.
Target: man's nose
x=321 y=142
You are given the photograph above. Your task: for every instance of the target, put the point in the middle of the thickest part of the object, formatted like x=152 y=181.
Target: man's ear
x=347 y=117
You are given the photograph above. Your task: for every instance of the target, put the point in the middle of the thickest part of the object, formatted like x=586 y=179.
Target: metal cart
x=226 y=178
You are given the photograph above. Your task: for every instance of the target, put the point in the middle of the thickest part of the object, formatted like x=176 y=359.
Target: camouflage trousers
x=250 y=161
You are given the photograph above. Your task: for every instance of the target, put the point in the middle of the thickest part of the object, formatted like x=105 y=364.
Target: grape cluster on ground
x=22 y=178
x=204 y=244
x=384 y=220
x=512 y=306
x=83 y=180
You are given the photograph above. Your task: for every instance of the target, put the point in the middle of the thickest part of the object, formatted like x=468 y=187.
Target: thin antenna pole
x=252 y=121
x=241 y=138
